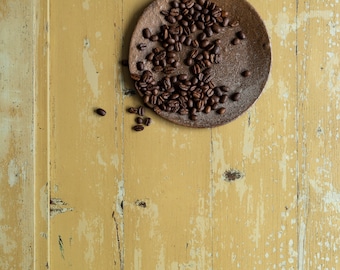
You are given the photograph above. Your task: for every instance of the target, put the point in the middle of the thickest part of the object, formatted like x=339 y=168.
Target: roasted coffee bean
x=157 y=68
x=218 y=92
x=207 y=63
x=174 y=12
x=193 y=53
x=150 y=56
x=146 y=33
x=168 y=70
x=206 y=55
x=208 y=31
x=204 y=43
x=140 y=65
x=182 y=77
x=225 y=22
x=139 y=120
x=234 y=23
x=224 y=88
x=178 y=46
x=170 y=48
x=147 y=121
x=170 y=60
x=138 y=128
x=216 y=28
x=195 y=43
x=196 y=69
x=207 y=109
x=153 y=99
x=236 y=41
x=132 y=110
x=140 y=111
x=216 y=50
x=193 y=117
x=202 y=36
x=223 y=98
x=187 y=41
x=193 y=28
x=183 y=111
x=235 y=96
x=221 y=110
x=174 y=4
x=141 y=46
x=154 y=38
x=200 y=25
x=175 y=64
x=171 y=19
x=146 y=98
x=189 y=61
x=240 y=35
x=100 y=112
x=246 y=73
x=164 y=12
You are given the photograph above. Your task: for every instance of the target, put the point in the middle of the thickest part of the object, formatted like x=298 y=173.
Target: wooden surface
x=259 y=193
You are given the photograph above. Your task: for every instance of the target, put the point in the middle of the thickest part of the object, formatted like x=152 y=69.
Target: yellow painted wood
x=259 y=193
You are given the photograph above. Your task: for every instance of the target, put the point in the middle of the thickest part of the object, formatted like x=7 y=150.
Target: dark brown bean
x=204 y=43
x=196 y=69
x=208 y=31
x=147 y=121
x=246 y=73
x=235 y=96
x=138 y=128
x=236 y=41
x=171 y=19
x=146 y=33
x=140 y=111
x=195 y=43
x=141 y=46
x=132 y=110
x=225 y=22
x=216 y=28
x=154 y=38
x=240 y=35
x=189 y=61
x=233 y=23
x=221 y=110
x=200 y=25
x=223 y=98
x=139 y=120
x=140 y=65
x=100 y=112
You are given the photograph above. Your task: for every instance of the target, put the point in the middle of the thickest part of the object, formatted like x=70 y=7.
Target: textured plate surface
x=253 y=54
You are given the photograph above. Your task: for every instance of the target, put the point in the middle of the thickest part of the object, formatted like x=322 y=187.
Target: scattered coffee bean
x=236 y=41
x=141 y=46
x=139 y=120
x=147 y=121
x=132 y=110
x=240 y=35
x=146 y=33
x=140 y=65
x=140 y=111
x=221 y=110
x=246 y=73
x=235 y=96
x=138 y=128
x=234 y=23
x=101 y=112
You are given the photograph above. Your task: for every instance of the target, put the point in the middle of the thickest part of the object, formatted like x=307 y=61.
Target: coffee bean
x=240 y=35
x=200 y=25
x=174 y=12
x=146 y=33
x=216 y=50
x=140 y=111
x=175 y=64
x=221 y=110
x=246 y=73
x=139 y=120
x=193 y=117
x=201 y=2
x=141 y=46
x=225 y=22
x=233 y=23
x=178 y=46
x=204 y=43
x=188 y=41
x=223 y=98
x=224 y=88
x=235 y=96
x=138 y=128
x=216 y=28
x=132 y=110
x=189 y=61
x=182 y=77
x=157 y=68
x=170 y=19
x=236 y=41
x=147 y=121
x=154 y=38
x=208 y=31
x=207 y=109
x=140 y=65
x=196 y=69
x=195 y=43
x=174 y=4
x=101 y=112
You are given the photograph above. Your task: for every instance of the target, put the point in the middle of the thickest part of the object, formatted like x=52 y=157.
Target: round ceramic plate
x=249 y=53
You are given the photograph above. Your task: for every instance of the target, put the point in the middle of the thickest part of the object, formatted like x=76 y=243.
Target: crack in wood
x=118 y=242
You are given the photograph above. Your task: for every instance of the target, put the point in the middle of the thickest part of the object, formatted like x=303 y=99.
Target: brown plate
x=252 y=53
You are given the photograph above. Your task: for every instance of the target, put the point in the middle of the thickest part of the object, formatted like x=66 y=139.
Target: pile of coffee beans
x=140 y=120
x=191 y=24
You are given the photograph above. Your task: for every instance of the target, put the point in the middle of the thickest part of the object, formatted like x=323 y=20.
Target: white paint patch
x=98 y=34
x=100 y=159
x=86 y=5
x=115 y=161
x=13 y=173
x=92 y=75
